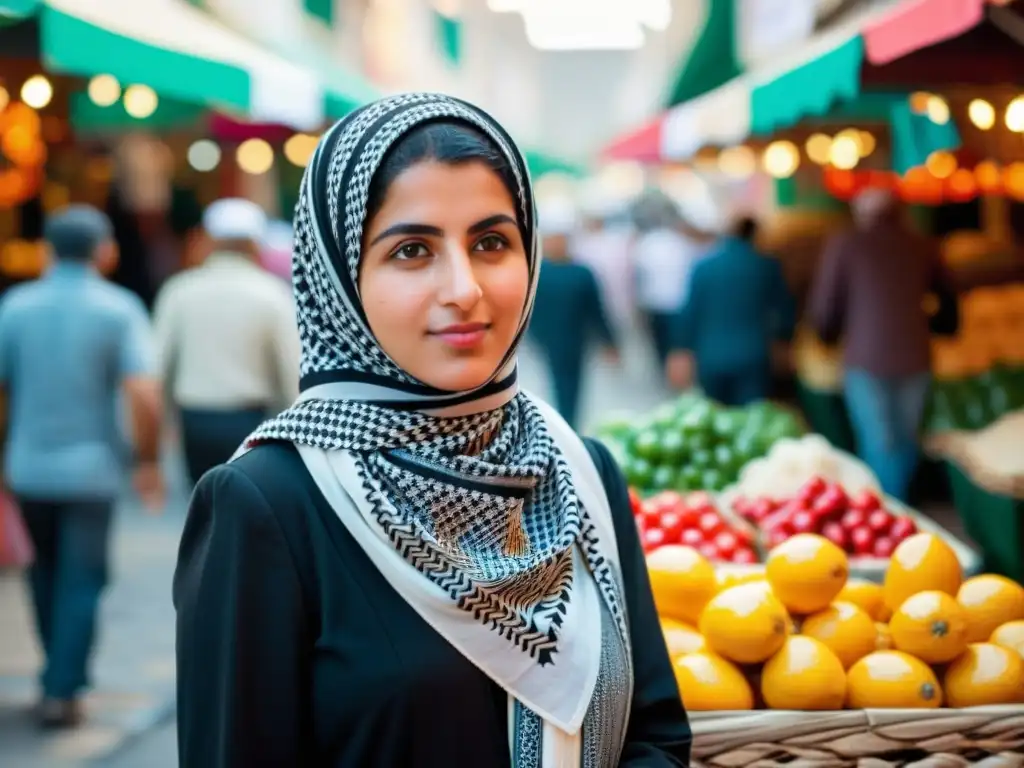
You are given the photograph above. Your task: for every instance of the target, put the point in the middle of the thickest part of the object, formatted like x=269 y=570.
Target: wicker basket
x=988 y=737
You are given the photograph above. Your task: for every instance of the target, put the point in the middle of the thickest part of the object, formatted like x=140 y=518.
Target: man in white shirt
x=227 y=337
x=664 y=257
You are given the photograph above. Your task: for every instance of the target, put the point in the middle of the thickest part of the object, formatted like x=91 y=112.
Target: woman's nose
x=459 y=285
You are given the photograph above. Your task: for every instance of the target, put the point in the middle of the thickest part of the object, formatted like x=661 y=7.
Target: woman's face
x=444 y=274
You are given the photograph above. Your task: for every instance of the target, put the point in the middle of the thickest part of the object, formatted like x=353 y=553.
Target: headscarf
x=471 y=489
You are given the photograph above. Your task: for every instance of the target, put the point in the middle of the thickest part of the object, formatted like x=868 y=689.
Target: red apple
x=863 y=540
x=884 y=547
x=672 y=524
x=692 y=537
x=804 y=522
x=812 y=488
x=867 y=501
x=653 y=538
x=853 y=519
x=744 y=555
x=902 y=528
x=710 y=551
x=838 y=535
x=726 y=543
x=880 y=522
x=710 y=523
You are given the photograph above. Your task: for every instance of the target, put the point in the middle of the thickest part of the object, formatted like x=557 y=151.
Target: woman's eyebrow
x=490 y=221
x=408 y=228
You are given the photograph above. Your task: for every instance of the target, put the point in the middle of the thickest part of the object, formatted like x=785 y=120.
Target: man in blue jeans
x=870 y=290
x=70 y=345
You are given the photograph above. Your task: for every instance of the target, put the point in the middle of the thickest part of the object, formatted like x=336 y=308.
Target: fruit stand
x=799 y=588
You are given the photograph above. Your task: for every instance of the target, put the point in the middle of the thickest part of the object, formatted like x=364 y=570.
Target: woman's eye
x=410 y=251
x=491 y=243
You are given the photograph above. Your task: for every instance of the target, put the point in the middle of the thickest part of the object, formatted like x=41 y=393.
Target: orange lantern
x=1013 y=180
x=961 y=186
x=989 y=177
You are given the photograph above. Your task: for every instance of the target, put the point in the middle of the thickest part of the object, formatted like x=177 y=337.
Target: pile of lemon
x=797 y=633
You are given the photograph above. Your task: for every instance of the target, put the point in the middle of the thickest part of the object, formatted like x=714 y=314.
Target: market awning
x=17 y=9
x=343 y=90
x=712 y=61
x=807 y=82
x=179 y=51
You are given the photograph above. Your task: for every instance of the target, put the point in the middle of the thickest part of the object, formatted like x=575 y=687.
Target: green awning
x=180 y=51
x=808 y=90
x=86 y=116
x=344 y=90
x=17 y=9
x=712 y=61
x=541 y=163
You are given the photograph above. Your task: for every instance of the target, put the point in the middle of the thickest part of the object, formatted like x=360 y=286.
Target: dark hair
x=445 y=141
x=746 y=229
x=75 y=232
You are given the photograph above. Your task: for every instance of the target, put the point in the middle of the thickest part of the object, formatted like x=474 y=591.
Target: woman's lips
x=464 y=336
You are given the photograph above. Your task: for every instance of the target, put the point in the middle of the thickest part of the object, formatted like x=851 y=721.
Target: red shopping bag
x=15 y=545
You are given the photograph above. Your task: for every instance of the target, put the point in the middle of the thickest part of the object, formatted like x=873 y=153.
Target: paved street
x=131 y=710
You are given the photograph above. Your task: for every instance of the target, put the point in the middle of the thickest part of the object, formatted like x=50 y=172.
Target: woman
x=417 y=565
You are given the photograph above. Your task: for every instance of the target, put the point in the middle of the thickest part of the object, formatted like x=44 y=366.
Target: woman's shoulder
x=273 y=472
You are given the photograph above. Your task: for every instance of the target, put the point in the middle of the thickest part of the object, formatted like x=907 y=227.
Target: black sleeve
x=242 y=634
x=659 y=733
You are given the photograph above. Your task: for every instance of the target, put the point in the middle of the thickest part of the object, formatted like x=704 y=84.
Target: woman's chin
x=459 y=375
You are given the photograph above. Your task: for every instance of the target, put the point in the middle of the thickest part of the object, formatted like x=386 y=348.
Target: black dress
x=294 y=652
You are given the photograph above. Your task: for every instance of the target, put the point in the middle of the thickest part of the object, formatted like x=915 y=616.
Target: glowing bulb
x=982 y=114
x=738 y=162
x=940 y=164
x=844 y=153
x=919 y=101
x=781 y=159
x=867 y=143
x=819 y=148
x=299 y=149
x=204 y=155
x=37 y=92
x=988 y=175
x=104 y=90
x=1015 y=115
x=937 y=110
x=140 y=101
x=254 y=156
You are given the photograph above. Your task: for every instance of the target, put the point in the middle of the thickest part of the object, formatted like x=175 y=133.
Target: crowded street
x=511 y=384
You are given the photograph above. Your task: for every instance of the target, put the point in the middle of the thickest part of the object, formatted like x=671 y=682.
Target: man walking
x=228 y=342
x=71 y=344
x=870 y=290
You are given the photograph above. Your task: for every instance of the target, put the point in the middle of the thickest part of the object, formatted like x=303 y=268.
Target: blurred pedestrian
x=568 y=313
x=418 y=564
x=738 y=305
x=664 y=255
x=605 y=246
x=226 y=334
x=70 y=345
x=870 y=291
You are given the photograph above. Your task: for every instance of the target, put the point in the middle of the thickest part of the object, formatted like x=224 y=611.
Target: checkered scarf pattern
x=483 y=505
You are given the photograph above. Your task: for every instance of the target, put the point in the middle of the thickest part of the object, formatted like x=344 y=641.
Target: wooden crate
x=985 y=737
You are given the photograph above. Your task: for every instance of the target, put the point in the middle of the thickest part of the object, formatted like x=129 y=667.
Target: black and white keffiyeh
x=471 y=503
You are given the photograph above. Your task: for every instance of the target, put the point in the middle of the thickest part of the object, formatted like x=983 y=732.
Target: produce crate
x=994 y=521
x=989 y=498
x=990 y=737
x=873 y=569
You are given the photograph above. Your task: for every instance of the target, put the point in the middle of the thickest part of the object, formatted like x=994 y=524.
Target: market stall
x=809 y=619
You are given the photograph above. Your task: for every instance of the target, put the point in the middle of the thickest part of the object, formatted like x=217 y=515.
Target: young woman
x=417 y=564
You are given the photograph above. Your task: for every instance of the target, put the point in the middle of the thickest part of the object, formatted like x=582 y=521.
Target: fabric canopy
x=807 y=82
x=180 y=51
x=183 y=53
